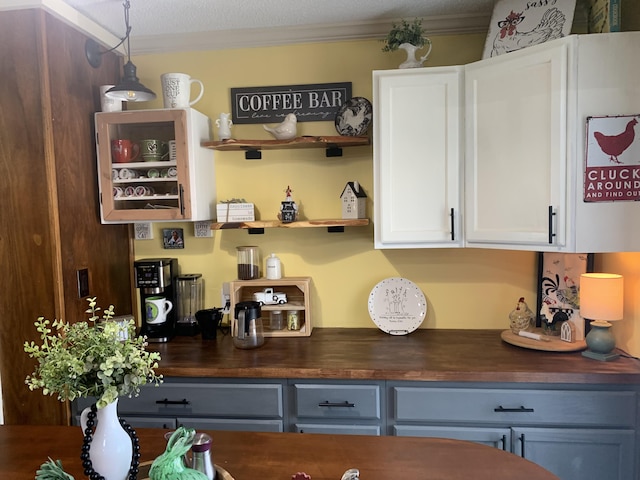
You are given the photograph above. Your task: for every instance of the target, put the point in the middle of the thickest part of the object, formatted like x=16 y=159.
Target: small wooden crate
x=298 y=294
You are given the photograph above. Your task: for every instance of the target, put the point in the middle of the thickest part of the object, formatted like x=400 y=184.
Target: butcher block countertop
x=370 y=354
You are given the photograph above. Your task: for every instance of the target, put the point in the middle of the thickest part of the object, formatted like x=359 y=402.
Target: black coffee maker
x=156 y=278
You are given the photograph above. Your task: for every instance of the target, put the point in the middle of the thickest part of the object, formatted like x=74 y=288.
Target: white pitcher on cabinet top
x=176 y=90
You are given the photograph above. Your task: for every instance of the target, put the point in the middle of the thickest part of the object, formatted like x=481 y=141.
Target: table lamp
x=601 y=301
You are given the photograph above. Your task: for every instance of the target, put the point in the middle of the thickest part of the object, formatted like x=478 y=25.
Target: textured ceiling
x=178 y=25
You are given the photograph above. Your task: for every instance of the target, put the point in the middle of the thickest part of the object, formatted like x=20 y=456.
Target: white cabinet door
x=418 y=157
x=515 y=166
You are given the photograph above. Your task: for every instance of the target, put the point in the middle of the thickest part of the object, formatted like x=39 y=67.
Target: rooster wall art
x=518 y=24
x=615 y=145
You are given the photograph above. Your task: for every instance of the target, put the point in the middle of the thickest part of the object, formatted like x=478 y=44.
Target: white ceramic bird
x=285 y=130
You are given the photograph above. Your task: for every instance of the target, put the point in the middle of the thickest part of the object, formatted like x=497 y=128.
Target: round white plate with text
x=397 y=306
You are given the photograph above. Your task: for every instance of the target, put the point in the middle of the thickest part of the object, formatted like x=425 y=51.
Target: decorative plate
x=354 y=117
x=397 y=306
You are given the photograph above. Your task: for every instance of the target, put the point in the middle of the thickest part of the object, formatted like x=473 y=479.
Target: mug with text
x=176 y=90
x=124 y=151
x=156 y=309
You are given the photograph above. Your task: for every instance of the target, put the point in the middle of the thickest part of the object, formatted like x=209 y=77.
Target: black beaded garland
x=87 y=464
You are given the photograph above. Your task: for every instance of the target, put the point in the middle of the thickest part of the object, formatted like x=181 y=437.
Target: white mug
x=176 y=90
x=108 y=104
x=156 y=309
x=224 y=124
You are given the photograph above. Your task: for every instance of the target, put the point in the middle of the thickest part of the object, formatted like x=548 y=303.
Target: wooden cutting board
x=553 y=345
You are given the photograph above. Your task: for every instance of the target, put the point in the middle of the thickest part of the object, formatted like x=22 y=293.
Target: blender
x=190 y=301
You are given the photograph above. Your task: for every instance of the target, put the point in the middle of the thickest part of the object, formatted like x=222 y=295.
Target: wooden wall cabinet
x=182 y=189
x=50 y=226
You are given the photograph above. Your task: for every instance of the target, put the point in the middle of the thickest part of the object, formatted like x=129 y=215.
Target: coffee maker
x=156 y=277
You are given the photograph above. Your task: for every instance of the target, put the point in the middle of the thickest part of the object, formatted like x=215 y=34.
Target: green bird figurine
x=170 y=465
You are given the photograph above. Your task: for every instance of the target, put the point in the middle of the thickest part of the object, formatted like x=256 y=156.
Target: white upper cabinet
x=526 y=115
x=417 y=145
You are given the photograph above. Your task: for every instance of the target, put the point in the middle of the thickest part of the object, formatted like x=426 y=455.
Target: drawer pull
x=517 y=410
x=337 y=404
x=166 y=401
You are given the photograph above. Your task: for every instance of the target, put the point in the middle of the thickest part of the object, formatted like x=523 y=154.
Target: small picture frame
x=172 y=238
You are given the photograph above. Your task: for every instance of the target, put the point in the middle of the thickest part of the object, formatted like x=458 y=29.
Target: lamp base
x=603 y=357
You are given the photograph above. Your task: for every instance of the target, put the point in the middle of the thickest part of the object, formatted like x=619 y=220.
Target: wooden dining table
x=279 y=456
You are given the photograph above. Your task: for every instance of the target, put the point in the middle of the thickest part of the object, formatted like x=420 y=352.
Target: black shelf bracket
x=256 y=231
x=333 y=151
x=336 y=229
x=252 y=154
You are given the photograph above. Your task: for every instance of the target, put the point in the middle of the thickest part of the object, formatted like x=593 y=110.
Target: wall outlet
x=225 y=297
x=83 y=282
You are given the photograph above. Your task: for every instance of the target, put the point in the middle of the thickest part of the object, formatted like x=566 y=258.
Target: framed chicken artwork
x=612 y=164
x=517 y=24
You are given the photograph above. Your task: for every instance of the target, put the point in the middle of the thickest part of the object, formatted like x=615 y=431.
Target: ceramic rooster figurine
x=170 y=465
x=286 y=130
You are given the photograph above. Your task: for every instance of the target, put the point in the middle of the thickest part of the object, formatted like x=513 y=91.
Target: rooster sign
x=612 y=170
x=518 y=24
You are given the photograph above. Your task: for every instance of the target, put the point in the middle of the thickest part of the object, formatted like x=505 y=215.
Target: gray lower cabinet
x=577 y=434
x=336 y=407
x=206 y=404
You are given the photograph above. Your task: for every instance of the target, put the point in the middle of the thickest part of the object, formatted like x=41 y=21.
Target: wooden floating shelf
x=332 y=225
x=252 y=148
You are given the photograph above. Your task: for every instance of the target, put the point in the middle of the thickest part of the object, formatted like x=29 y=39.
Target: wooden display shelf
x=252 y=148
x=258 y=226
x=298 y=292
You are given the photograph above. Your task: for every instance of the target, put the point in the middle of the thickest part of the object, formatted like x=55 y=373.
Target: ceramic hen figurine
x=285 y=130
x=170 y=465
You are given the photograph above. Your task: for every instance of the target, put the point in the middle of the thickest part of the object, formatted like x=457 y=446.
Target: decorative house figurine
x=288 y=208
x=354 y=201
x=567 y=332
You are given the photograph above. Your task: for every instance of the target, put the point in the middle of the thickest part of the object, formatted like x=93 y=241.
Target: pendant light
x=129 y=89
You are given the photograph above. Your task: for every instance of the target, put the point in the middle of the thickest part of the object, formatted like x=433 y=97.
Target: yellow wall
x=465 y=288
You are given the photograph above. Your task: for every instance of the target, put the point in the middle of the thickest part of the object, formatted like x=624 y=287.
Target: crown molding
x=266 y=37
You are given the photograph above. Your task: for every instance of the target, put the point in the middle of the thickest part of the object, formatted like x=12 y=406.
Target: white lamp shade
x=601 y=296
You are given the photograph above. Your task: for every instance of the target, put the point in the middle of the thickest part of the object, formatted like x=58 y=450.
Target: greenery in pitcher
x=405 y=32
x=89 y=359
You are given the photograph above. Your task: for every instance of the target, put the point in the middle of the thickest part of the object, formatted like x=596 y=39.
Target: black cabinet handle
x=166 y=401
x=551 y=215
x=522 y=441
x=181 y=200
x=520 y=409
x=337 y=404
x=453 y=226
x=504 y=443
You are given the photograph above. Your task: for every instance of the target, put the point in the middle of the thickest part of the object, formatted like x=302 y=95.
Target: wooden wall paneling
x=49 y=221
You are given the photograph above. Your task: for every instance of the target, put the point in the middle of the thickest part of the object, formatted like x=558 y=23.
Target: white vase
x=111 y=447
x=411 y=50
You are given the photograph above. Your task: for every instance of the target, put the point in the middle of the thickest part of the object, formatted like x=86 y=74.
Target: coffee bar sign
x=311 y=103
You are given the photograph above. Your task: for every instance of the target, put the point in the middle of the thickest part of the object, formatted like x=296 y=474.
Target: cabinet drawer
x=373 y=430
x=256 y=400
x=232 y=424
x=461 y=405
x=337 y=401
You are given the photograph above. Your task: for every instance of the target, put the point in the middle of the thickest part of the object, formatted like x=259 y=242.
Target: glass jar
x=248 y=262
x=293 y=320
